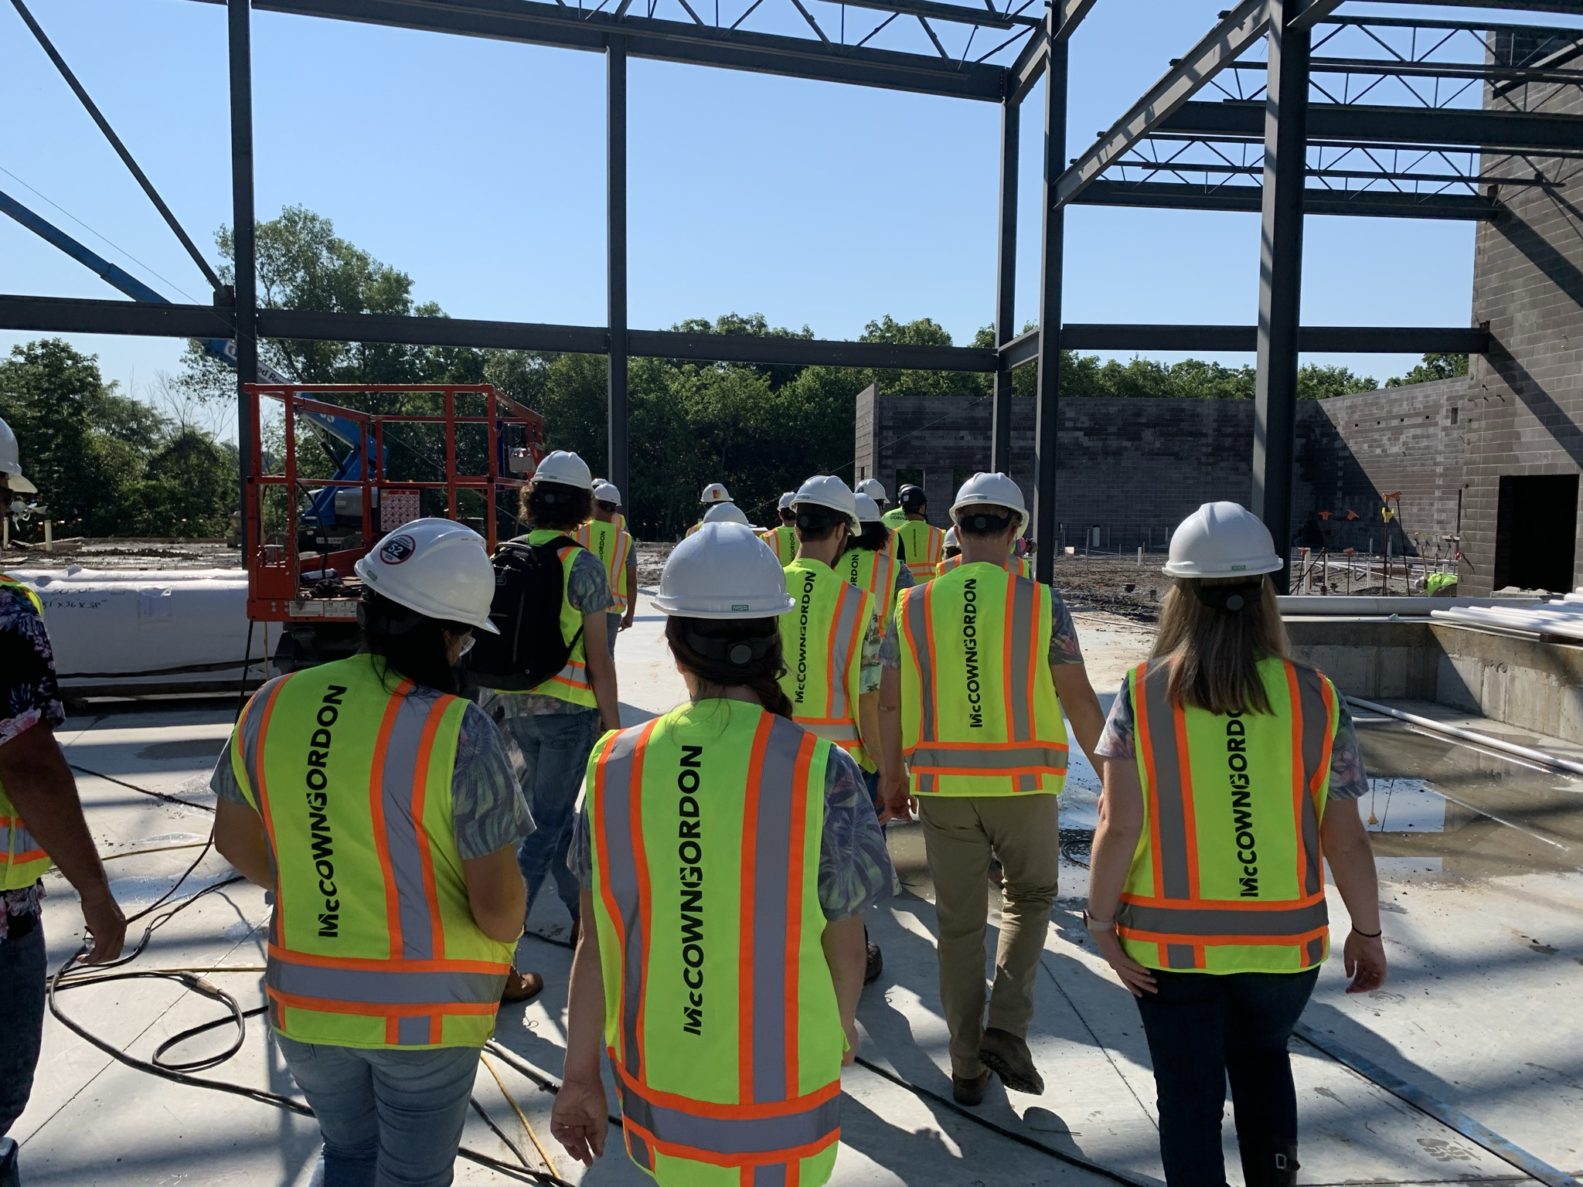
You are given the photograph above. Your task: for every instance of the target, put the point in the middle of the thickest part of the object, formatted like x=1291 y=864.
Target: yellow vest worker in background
x=921 y=541
x=606 y=536
x=556 y=723
x=713 y=496
x=989 y=661
x=381 y=810
x=41 y=823
x=1229 y=772
x=726 y=857
x=875 y=563
x=782 y=538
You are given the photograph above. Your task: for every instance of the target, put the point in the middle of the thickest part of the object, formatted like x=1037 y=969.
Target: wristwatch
x=1098 y=924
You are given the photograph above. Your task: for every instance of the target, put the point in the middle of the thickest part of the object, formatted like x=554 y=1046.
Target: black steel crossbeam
x=532 y=22
x=1242 y=339
x=1460 y=127
x=1244 y=199
x=1563 y=6
x=1326 y=173
x=962 y=14
x=1474 y=70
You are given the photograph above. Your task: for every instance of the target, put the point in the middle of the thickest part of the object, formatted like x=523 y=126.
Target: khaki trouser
x=959 y=835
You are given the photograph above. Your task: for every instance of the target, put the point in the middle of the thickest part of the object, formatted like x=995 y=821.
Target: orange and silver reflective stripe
x=13 y=832
x=1227 y=922
x=1161 y=739
x=975 y=758
x=441 y=985
x=1017 y=660
x=845 y=649
x=918 y=636
x=1311 y=705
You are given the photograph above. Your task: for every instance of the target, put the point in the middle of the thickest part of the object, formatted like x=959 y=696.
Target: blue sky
x=478 y=167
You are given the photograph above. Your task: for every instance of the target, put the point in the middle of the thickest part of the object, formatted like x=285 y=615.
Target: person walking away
x=41 y=824
x=605 y=536
x=951 y=557
x=989 y=662
x=555 y=723
x=833 y=645
x=874 y=489
x=714 y=494
x=874 y=562
x=727 y=513
x=1247 y=768
x=726 y=857
x=921 y=541
x=380 y=809
x=782 y=538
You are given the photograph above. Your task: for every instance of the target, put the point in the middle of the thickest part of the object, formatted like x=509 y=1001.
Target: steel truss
x=1321 y=149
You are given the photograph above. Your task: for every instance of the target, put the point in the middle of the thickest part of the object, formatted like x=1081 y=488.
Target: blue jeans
x=22 y=992
x=1204 y=1028
x=555 y=747
x=612 y=629
x=389 y=1118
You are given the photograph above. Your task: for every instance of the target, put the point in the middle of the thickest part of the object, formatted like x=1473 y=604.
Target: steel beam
x=1027 y=68
x=1051 y=278
x=76 y=315
x=566 y=27
x=1566 y=6
x=244 y=241
x=1520 y=131
x=1245 y=199
x=1005 y=286
x=799 y=352
x=459 y=332
x=960 y=13
x=1238 y=29
x=616 y=261
x=1183 y=339
x=1072 y=14
x=1280 y=280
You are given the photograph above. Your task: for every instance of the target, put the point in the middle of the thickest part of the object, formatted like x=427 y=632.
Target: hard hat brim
x=1022 y=516
x=1253 y=568
x=681 y=608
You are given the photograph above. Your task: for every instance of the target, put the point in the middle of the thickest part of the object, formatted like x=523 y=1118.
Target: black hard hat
x=911 y=497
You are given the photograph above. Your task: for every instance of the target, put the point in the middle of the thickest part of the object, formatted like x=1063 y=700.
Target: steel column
x=1280 y=278
x=616 y=259
x=1005 y=286
x=244 y=239
x=1051 y=260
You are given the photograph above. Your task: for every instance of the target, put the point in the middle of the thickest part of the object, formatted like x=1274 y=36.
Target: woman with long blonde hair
x=1230 y=775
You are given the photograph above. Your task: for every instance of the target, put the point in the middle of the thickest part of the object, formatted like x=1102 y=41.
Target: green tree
x=1318 y=381
x=1434 y=365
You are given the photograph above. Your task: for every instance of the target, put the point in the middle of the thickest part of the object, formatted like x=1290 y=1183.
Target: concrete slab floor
x=1484 y=901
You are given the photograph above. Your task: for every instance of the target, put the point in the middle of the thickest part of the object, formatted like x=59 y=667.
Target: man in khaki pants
x=989 y=662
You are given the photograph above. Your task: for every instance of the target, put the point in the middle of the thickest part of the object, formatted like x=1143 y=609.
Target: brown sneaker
x=1009 y=1058
x=521 y=987
x=969 y=1090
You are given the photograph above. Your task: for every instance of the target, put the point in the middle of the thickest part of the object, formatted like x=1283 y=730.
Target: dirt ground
x=125 y=554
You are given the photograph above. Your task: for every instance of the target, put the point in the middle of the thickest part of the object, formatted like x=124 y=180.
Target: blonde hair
x=1214 y=654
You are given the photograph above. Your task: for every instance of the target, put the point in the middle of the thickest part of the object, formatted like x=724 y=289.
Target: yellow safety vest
x=372 y=942
x=874 y=572
x=612 y=546
x=894 y=518
x=22 y=861
x=925 y=545
x=572 y=683
x=782 y=541
x=1227 y=875
x=822 y=646
x=1021 y=565
x=720 y=1016
x=981 y=716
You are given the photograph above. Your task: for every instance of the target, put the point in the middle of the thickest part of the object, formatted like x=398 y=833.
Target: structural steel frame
x=1287 y=122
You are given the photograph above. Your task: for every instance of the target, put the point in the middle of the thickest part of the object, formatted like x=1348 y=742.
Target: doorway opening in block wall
x=1536 y=532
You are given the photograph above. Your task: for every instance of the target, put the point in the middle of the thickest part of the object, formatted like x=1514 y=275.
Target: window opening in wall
x=1536 y=531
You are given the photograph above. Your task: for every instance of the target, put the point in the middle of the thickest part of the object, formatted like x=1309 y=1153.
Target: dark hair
x=815 y=523
x=978 y=521
x=787 y=515
x=555 y=507
x=411 y=645
x=708 y=647
x=873 y=537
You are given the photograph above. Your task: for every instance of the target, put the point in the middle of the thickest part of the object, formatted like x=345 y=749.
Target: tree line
x=755 y=427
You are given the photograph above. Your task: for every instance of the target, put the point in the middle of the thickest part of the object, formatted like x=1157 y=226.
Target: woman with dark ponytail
x=726 y=857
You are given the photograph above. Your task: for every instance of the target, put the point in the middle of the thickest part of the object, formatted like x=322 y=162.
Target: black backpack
x=529 y=590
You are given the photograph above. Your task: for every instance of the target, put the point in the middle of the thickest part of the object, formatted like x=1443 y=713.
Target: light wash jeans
x=389 y=1118
x=555 y=747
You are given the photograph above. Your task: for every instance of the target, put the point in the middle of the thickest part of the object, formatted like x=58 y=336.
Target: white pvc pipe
x=1455 y=731
x=1415 y=607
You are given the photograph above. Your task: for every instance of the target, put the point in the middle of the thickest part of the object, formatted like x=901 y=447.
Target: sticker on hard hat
x=740 y=606
x=398 y=549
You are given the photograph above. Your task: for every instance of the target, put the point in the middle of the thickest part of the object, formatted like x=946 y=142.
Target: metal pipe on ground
x=1345 y=606
x=1542 y=757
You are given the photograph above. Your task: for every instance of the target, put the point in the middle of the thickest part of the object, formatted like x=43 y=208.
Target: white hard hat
x=992 y=490
x=608 y=492
x=786 y=500
x=951 y=540
x=11 y=462
x=826 y=490
x=873 y=488
x=726 y=513
x=723 y=570
x=1222 y=540
x=437 y=567
x=867 y=509
x=715 y=492
x=566 y=468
